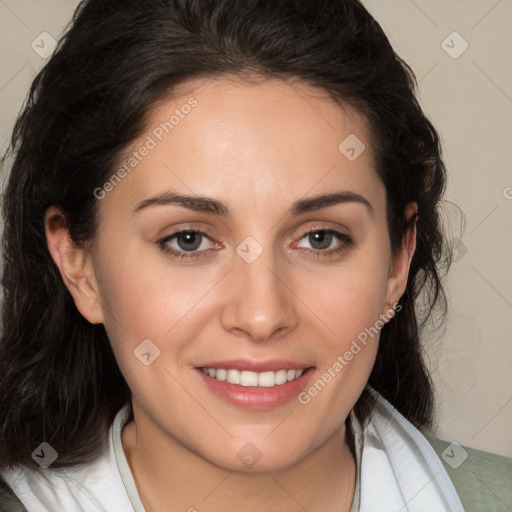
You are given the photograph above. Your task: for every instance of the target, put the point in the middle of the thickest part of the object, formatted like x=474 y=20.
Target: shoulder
x=67 y=488
x=72 y=487
x=483 y=480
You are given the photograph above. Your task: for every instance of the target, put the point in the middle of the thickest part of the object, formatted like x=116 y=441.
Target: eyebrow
x=213 y=206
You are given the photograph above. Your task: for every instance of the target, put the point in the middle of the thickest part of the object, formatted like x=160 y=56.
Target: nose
x=258 y=304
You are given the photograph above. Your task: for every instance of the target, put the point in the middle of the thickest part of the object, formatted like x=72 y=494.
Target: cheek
x=145 y=293
x=354 y=325
x=352 y=296
x=144 y=299
x=351 y=303
x=150 y=305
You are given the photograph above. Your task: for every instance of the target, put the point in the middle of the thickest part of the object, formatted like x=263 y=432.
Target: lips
x=254 y=384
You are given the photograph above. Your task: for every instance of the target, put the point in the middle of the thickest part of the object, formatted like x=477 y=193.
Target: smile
x=246 y=378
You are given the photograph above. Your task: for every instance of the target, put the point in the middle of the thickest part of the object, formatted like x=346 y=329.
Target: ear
x=401 y=259
x=75 y=266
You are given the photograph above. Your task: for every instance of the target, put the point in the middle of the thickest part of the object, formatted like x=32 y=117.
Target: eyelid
x=322 y=227
x=193 y=230
x=340 y=236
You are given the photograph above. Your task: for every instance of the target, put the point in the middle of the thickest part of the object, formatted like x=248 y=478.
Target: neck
x=170 y=477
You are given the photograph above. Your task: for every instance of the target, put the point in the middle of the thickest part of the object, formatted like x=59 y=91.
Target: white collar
x=399 y=469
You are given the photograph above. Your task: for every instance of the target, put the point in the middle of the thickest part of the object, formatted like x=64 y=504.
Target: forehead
x=226 y=137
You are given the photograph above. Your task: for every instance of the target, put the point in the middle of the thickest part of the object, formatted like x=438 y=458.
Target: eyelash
x=346 y=240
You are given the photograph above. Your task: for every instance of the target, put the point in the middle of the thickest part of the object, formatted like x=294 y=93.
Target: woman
x=216 y=224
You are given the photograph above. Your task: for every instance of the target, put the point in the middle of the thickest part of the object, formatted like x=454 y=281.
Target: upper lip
x=256 y=366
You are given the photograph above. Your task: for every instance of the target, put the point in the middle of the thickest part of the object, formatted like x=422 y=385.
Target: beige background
x=469 y=100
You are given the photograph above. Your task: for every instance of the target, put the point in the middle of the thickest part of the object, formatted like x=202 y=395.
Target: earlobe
x=401 y=259
x=75 y=266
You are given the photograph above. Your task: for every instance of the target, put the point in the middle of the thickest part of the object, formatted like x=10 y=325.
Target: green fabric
x=483 y=480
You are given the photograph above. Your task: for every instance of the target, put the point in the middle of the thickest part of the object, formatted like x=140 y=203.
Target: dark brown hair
x=59 y=381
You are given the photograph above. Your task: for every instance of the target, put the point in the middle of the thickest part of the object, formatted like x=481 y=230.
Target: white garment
x=95 y=487
x=398 y=471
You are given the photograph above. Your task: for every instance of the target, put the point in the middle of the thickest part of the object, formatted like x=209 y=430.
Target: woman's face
x=287 y=266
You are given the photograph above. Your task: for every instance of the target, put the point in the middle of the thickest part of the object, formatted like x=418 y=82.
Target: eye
x=186 y=241
x=325 y=241
x=190 y=243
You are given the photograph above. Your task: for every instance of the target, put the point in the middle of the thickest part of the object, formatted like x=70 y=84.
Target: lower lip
x=257 y=398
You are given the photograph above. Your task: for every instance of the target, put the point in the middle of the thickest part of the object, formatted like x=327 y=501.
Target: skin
x=286 y=304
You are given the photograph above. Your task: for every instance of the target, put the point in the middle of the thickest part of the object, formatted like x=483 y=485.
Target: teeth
x=221 y=374
x=233 y=376
x=246 y=378
x=281 y=377
x=267 y=379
